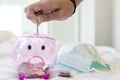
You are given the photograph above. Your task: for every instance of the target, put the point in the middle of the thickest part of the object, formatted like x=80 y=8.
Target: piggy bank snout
x=35 y=62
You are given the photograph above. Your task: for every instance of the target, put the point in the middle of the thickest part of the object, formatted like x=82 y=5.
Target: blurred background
x=95 y=21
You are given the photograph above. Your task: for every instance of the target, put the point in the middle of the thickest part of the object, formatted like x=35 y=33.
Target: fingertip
x=43 y=18
x=35 y=22
x=31 y=16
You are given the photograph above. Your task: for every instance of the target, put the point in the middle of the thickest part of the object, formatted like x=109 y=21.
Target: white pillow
x=5 y=36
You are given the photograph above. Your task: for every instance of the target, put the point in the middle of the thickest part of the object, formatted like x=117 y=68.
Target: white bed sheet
x=8 y=72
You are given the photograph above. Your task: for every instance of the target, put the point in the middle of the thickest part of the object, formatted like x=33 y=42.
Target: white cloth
x=8 y=72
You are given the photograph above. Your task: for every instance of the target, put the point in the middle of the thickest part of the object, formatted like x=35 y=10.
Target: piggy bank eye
x=43 y=47
x=29 y=47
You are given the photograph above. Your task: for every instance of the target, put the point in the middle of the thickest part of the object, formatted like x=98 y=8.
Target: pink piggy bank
x=34 y=56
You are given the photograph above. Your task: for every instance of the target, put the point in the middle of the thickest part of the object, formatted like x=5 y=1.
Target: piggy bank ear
x=16 y=45
x=51 y=42
x=53 y=45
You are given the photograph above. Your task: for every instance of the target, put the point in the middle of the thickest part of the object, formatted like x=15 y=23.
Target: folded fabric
x=6 y=36
x=81 y=57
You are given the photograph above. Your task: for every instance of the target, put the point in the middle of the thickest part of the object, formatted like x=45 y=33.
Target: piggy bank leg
x=46 y=76
x=21 y=76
